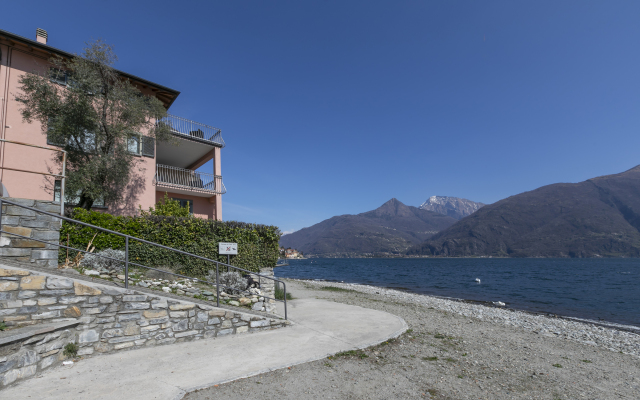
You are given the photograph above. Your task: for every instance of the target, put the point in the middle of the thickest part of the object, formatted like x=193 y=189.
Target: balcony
x=181 y=180
x=188 y=129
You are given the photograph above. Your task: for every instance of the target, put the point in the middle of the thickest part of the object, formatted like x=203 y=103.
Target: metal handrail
x=193 y=130
x=167 y=175
x=127 y=262
x=61 y=176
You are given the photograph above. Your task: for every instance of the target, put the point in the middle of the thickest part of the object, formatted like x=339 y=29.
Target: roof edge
x=49 y=49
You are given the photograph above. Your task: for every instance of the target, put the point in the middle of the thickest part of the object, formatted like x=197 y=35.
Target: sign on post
x=228 y=248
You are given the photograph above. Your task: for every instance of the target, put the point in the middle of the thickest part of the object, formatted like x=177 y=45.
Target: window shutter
x=50 y=139
x=148 y=147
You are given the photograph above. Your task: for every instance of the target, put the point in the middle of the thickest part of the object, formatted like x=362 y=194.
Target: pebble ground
x=454 y=350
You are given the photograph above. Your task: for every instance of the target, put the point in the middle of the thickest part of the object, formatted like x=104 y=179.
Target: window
x=73 y=200
x=133 y=144
x=184 y=203
x=86 y=141
x=51 y=140
x=60 y=77
x=141 y=145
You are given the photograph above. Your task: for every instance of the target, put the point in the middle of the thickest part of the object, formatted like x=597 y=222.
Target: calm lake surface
x=595 y=289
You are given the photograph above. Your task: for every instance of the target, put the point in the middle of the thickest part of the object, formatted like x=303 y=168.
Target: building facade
x=161 y=167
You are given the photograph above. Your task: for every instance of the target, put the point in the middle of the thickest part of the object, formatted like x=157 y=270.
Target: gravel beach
x=456 y=350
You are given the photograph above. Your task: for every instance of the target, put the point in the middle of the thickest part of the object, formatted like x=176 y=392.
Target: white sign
x=227 y=248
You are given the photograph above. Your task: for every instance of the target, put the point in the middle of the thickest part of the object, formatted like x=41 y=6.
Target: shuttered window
x=148 y=147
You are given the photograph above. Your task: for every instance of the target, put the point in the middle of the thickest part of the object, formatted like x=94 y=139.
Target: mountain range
x=599 y=217
x=452 y=206
x=390 y=229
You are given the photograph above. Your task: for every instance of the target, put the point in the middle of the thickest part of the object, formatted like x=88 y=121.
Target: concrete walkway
x=322 y=328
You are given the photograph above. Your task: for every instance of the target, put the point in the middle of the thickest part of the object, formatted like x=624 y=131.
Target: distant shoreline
x=547 y=314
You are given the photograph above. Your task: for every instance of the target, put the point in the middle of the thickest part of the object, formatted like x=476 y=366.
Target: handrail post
x=62 y=183
x=126 y=262
x=217 y=284
x=284 y=285
x=1 y=213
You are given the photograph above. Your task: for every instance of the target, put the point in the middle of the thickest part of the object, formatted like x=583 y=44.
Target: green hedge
x=257 y=244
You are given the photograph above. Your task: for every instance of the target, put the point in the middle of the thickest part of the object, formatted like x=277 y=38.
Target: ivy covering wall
x=257 y=244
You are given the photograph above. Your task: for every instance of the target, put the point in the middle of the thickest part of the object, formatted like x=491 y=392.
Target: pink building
x=164 y=168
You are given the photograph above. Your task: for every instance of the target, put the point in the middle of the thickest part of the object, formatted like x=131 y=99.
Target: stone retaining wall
x=268 y=288
x=110 y=319
x=33 y=225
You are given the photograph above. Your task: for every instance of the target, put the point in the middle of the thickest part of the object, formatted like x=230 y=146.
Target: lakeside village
x=290 y=253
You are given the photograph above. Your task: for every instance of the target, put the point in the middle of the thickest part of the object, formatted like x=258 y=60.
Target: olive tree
x=95 y=114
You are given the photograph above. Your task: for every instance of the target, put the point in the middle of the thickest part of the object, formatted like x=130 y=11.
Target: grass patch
x=279 y=294
x=335 y=289
x=557 y=365
x=434 y=358
x=587 y=361
x=352 y=353
x=439 y=336
x=450 y=359
x=3 y=326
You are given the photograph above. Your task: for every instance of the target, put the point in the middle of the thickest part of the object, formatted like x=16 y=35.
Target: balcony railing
x=180 y=178
x=193 y=130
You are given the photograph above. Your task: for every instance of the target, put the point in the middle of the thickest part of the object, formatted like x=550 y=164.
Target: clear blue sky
x=334 y=107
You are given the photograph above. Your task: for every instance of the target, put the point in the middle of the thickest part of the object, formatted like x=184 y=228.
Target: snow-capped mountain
x=452 y=206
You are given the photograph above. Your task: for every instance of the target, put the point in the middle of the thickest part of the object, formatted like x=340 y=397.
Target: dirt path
x=445 y=356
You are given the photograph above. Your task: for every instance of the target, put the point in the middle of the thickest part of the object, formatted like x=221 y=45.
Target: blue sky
x=334 y=107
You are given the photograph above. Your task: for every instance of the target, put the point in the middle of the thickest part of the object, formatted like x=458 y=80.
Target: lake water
x=595 y=289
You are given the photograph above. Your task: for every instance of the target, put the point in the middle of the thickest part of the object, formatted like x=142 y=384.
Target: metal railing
x=127 y=263
x=196 y=181
x=61 y=176
x=193 y=130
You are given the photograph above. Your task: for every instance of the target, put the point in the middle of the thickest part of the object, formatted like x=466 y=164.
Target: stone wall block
x=136 y=305
x=151 y=314
x=159 y=320
x=72 y=312
x=70 y=299
x=5 y=286
x=129 y=317
x=88 y=336
x=178 y=307
x=46 y=315
x=33 y=282
x=13 y=272
x=158 y=304
x=44 y=254
x=13 y=252
x=135 y=298
x=19 y=212
x=9 y=220
x=59 y=283
x=48 y=207
x=18 y=230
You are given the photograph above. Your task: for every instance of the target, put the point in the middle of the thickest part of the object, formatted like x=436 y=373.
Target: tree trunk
x=85 y=202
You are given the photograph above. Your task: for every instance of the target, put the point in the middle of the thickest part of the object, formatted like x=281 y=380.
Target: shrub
x=70 y=350
x=257 y=244
x=168 y=208
x=95 y=261
x=233 y=282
